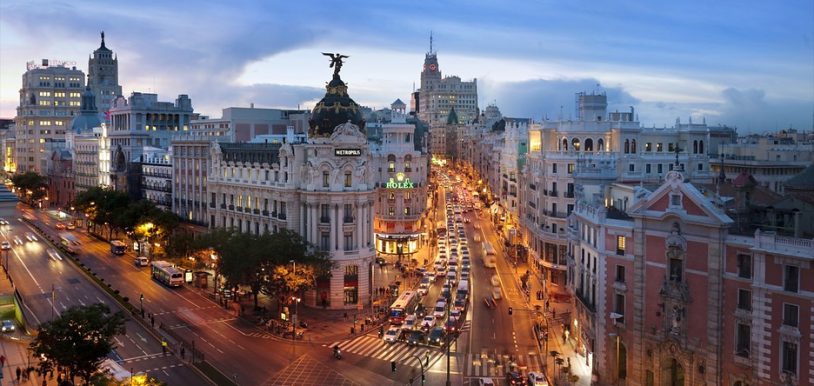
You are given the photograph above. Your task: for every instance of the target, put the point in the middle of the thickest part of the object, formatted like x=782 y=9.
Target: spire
x=103 y=39
x=430 y=41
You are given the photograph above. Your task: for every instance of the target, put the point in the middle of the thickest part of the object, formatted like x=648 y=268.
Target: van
x=463 y=289
x=141 y=261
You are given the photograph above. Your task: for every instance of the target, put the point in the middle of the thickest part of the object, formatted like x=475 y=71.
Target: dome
x=335 y=108
x=88 y=117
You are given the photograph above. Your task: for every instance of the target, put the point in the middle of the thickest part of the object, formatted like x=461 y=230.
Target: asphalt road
x=49 y=286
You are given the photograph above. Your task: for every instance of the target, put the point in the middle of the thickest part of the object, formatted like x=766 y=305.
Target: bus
x=117 y=247
x=403 y=306
x=166 y=273
x=488 y=255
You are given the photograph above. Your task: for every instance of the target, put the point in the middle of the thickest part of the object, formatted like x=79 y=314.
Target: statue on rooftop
x=336 y=61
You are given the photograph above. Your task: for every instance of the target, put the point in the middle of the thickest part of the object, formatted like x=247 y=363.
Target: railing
x=325 y=219
x=569 y=195
x=281 y=216
x=347 y=219
x=231 y=207
x=588 y=305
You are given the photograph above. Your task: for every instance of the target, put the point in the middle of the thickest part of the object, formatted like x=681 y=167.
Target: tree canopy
x=78 y=340
x=30 y=182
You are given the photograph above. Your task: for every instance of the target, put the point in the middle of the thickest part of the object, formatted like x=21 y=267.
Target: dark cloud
x=542 y=98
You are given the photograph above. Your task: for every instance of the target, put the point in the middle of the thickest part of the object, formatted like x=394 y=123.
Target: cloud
x=262 y=95
x=542 y=98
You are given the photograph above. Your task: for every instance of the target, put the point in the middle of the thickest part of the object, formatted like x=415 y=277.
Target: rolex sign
x=400 y=182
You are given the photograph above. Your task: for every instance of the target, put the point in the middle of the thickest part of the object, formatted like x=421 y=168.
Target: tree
x=31 y=185
x=310 y=264
x=78 y=340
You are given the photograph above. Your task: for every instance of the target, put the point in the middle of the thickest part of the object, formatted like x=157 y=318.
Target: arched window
x=589 y=144
x=633 y=147
x=627 y=146
x=407 y=160
x=695 y=147
x=700 y=147
x=575 y=143
x=600 y=144
x=564 y=144
x=391 y=163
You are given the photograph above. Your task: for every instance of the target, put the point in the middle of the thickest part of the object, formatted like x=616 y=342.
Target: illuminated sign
x=400 y=182
x=347 y=152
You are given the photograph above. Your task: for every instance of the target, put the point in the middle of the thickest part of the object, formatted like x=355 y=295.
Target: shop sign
x=347 y=152
x=400 y=182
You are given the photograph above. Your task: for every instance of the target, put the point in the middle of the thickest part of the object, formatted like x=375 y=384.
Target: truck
x=488 y=255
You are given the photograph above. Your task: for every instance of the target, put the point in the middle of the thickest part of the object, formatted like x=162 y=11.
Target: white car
x=423 y=288
x=5 y=245
x=30 y=236
x=392 y=334
x=7 y=325
x=428 y=322
x=537 y=379
x=454 y=314
x=17 y=240
x=496 y=294
x=440 y=310
x=476 y=226
x=409 y=323
x=486 y=382
x=495 y=281
x=54 y=254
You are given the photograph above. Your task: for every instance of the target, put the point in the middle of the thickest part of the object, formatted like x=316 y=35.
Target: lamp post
x=141 y=303
x=449 y=343
x=296 y=301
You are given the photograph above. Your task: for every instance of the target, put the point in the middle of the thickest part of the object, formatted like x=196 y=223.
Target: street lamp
x=141 y=302
x=296 y=302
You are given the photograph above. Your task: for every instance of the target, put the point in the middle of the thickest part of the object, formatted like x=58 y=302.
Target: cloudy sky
x=744 y=63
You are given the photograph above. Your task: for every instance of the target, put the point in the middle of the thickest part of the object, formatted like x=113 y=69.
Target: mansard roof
x=268 y=153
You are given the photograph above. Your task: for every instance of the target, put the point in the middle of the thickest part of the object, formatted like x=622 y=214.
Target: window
x=620 y=273
x=571 y=168
x=324 y=241
x=789 y=354
x=744 y=266
x=671 y=147
x=348 y=241
x=791 y=315
x=675 y=200
x=743 y=339
x=622 y=360
x=648 y=146
x=282 y=209
x=647 y=168
x=324 y=179
x=791 y=279
x=620 y=245
x=407 y=163
x=348 y=179
x=659 y=147
x=391 y=197
x=391 y=163
x=407 y=211
x=744 y=299
x=700 y=167
x=676 y=270
x=391 y=211
x=553 y=168
x=324 y=217
x=660 y=168
x=619 y=308
x=631 y=168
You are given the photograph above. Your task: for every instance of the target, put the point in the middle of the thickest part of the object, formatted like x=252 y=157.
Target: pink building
x=664 y=295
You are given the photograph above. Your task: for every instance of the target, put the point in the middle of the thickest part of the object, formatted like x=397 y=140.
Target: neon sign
x=400 y=182
x=347 y=152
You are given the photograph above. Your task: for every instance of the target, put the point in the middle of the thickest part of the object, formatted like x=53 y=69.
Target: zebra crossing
x=494 y=365
x=374 y=347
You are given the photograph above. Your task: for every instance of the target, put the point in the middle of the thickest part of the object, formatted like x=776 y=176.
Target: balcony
x=265 y=213
x=553 y=193
x=347 y=219
x=553 y=214
x=532 y=204
x=231 y=207
x=211 y=204
x=274 y=214
x=239 y=208
x=569 y=195
x=325 y=219
x=281 y=216
x=256 y=211
x=585 y=303
x=223 y=206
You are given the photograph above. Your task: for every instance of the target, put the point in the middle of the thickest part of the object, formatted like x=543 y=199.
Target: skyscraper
x=103 y=77
x=438 y=95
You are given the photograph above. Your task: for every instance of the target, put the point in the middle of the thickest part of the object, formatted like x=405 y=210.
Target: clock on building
x=433 y=67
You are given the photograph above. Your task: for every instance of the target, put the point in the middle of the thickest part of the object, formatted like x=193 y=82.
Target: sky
x=748 y=64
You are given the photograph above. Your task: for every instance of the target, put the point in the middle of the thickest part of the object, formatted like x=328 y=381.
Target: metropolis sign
x=347 y=152
x=400 y=182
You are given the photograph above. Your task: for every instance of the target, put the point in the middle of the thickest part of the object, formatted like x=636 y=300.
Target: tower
x=103 y=77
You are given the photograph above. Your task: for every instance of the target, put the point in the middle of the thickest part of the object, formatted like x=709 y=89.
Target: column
x=309 y=212
x=335 y=227
x=359 y=220
x=340 y=225
x=303 y=219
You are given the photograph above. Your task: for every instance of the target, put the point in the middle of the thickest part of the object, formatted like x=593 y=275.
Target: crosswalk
x=495 y=365
x=374 y=347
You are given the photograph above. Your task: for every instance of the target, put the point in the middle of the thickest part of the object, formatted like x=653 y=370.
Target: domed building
x=323 y=189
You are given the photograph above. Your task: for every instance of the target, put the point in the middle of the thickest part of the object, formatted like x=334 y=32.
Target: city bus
x=488 y=255
x=403 y=306
x=166 y=273
x=117 y=247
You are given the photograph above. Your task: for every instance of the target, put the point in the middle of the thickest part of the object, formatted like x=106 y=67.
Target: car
x=409 y=322
x=18 y=240
x=437 y=336
x=3 y=221
x=455 y=314
x=495 y=281
x=476 y=237
x=141 y=261
x=5 y=245
x=465 y=275
x=7 y=326
x=381 y=261
x=476 y=226
x=60 y=225
x=423 y=289
x=416 y=337
x=467 y=220
x=392 y=334
x=440 y=310
x=52 y=253
x=71 y=226
x=446 y=290
x=30 y=236
x=496 y=293
x=486 y=382
x=451 y=326
x=460 y=304
x=439 y=271
x=514 y=378
x=427 y=322
x=536 y=379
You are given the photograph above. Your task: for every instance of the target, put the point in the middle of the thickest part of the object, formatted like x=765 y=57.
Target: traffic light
x=393 y=366
x=510 y=310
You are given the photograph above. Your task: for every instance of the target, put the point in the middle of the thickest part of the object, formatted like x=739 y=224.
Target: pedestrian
x=2 y=360
x=547 y=305
x=352 y=330
x=152 y=321
x=164 y=347
x=44 y=382
x=569 y=361
x=345 y=315
x=18 y=373
x=183 y=352
x=59 y=379
x=363 y=326
x=563 y=337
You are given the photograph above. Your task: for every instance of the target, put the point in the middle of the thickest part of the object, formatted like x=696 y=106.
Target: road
x=49 y=286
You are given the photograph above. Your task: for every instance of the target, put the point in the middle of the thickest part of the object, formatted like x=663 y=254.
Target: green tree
x=311 y=264
x=78 y=340
x=32 y=185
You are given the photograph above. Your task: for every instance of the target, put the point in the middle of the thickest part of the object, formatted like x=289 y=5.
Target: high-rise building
x=438 y=95
x=103 y=77
x=49 y=99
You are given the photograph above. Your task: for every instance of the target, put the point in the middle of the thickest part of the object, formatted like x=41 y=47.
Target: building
x=241 y=124
x=400 y=170
x=103 y=78
x=771 y=159
x=61 y=178
x=324 y=189
x=599 y=147
x=82 y=142
x=438 y=95
x=7 y=145
x=156 y=176
x=142 y=121
x=664 y=294
x=191 y=164
x=49 y=98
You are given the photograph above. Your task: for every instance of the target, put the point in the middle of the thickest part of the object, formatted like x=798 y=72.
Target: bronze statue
x=336 y=61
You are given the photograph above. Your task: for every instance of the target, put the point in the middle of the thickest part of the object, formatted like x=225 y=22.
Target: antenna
x=430 y=41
